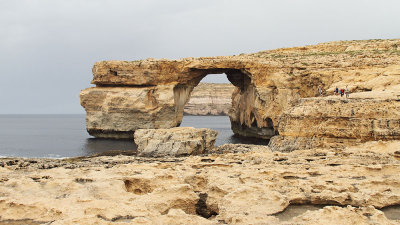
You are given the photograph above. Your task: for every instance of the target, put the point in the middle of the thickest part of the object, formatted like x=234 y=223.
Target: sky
x=48 y=47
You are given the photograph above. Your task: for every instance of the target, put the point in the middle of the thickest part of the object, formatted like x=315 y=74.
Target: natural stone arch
x=152 y=94
x=182 y=92
x=280 y=95
x=249 y=126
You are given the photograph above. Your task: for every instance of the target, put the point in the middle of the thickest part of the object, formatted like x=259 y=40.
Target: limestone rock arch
x=276 y=92
x=152 y=94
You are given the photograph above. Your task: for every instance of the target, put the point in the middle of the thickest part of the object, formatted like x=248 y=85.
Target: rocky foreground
x=237 y=184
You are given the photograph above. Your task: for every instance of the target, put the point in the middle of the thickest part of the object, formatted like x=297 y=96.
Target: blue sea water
x=59 y=136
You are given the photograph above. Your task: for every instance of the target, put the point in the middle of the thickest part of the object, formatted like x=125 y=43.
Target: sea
x=63 y=136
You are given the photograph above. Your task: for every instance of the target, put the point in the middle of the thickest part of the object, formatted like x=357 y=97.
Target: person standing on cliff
x=320 y=90
x=341 y=92
x=347 y=91
x=336 y=91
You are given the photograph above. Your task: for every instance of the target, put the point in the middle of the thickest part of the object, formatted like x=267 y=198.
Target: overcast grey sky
x=47 y=47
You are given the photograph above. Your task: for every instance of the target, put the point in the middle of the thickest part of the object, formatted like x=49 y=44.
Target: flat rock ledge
x=178 y=141
x=247 y=184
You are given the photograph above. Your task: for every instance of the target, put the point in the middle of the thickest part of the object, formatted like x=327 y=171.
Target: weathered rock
x=337 y=122
x=339 y=215
x=267 y=83
x=116 y=112
x=250 y=185
x=210 y=99
x=179 y=141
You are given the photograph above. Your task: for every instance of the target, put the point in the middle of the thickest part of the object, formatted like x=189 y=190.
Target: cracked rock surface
x=178 y=141
x=239 y=184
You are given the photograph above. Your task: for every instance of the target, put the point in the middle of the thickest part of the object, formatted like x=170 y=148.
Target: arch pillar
x=152 y=94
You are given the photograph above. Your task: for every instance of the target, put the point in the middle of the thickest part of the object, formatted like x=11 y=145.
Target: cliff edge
x=270 y=88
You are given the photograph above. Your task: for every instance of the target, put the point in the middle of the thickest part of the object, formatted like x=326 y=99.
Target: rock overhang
x=188 y=71
x=267 y=83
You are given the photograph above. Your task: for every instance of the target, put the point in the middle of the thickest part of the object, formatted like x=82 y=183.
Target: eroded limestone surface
x=116 y=112
x=338 y=122
x=267 y=83
x=239 y=184
x=178 y=141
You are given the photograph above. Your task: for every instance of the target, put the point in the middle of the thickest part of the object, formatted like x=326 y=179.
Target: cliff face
x=115 y=112
x=210 y=99
x=338 y=122
x=267 y=83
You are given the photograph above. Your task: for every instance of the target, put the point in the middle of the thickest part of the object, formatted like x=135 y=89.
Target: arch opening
x=211 y=96
x=235 y=76
x=209 y=103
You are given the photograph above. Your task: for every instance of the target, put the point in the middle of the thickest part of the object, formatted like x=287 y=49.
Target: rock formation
x=210 y=99
x=267 y=84
x=178 y=141
x=247 y=184
x=336 y=160
x=338 y=122
x=115 y=112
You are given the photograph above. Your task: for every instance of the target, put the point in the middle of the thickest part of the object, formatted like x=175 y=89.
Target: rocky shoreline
x=236 y=184
x=330 y=159
x=269 y=85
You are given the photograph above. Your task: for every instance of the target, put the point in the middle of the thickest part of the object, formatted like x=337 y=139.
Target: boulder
x=178 y=141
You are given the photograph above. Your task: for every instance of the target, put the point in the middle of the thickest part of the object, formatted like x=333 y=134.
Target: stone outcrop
x=210 y=99
x=248 y=184
x=178 y=141
x=266 y=83
x=338 y=122
x=116 y=112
